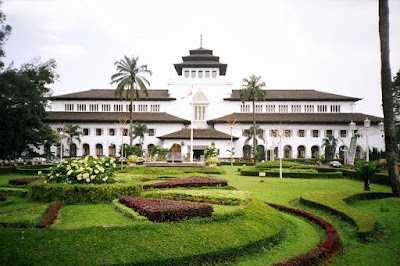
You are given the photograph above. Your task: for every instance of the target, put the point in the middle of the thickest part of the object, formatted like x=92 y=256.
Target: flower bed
x=51 y=215
x=24 y=181
x=194 y=181
x=91 y=170
x=329 y=245
x=166 y=210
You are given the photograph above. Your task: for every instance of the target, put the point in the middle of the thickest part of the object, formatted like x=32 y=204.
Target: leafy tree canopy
x=23 y=98
x=396 y=95
x=5 y=31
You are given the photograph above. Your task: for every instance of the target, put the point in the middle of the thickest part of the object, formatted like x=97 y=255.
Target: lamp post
x=352 y=127
x=367 y=125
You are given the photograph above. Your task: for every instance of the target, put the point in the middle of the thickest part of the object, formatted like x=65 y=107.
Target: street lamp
x=367 y=125
x=352 y=127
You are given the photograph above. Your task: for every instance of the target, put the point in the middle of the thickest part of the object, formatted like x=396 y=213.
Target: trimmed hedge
x=255 y=172
x=327 y=169
x=128 y=212
x=237 y=163
x=193 y=181
x=377 y=179
x=7 y=170
x=335 y=202
x=157 y=210
x=10 y=191
x=51 y=215
x=329 y=245
x=33 y=169
x=24 y=181
x=275 y=164
x=79 y=193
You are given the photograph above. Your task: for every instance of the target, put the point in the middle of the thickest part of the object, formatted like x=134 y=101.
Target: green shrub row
x=10 y=191
x=7 y=170
x=275 y=164
x=327 y=169
x=128 y=212
x=335 y=202
x=79 y=193
x=290 y=174
x=35 y=166
x=32 y=171
x=236 y=163
x=377 y=179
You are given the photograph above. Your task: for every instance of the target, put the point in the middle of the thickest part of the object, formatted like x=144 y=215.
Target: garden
x=86 y=211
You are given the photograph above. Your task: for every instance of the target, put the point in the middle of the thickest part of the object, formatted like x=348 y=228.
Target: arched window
x=276 y=152
x=246 y=151
x=314 y=151
x=287 y=151
x=301 y=152
x=86 y=149
x=112 y=151
x=99 y=150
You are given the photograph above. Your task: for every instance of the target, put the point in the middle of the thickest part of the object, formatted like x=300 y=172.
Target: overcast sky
x=327 y=45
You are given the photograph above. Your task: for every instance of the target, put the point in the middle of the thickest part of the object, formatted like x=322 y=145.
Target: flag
x=187 y=95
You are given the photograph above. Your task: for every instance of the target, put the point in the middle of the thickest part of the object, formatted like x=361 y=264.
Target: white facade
x=308 y=116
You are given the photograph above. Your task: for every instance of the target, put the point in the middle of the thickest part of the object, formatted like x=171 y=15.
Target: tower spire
x=201 y=40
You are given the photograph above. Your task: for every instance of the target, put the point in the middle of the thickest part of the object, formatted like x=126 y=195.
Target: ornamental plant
x=212 y=160
x=133 y=159
x=90 y=170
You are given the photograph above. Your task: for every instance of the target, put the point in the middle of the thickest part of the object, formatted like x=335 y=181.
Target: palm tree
x=387 y=97
x=252 y=91
x=139 y=130
x=366 y=171
x=73 y=132
x=129 y=77
x=330 y=143
x=259 y=133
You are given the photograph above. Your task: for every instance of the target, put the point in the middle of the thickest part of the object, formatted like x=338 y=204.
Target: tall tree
x=130 y=80
x=73 y=132
x=23 y=98
x=396 y=96
x=330 y=144
x=5 y=31
x=252 y=91
x=387 y=97
x=139 y=130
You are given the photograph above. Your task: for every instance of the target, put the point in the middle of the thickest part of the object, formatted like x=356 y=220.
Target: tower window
x=186 y=73
x=193 y=74
x=214 y=74
x=200 y=74
x=207 y=73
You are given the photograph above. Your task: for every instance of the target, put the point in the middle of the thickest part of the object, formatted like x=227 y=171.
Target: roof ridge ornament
x=201 y=40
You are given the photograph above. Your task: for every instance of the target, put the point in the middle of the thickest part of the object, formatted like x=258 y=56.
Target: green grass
x=21 y=213
x=5 y=178
x=193 y=241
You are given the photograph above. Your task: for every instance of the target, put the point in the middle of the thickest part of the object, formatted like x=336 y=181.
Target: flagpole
x=191 y=127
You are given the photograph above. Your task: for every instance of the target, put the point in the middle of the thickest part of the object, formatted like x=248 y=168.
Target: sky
x=326 y=45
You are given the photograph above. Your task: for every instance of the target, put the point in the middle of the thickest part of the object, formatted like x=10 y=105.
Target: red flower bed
x=328 y=246
x=51 y=215
x=160 y=210
x=194 y=181
x=24 y=181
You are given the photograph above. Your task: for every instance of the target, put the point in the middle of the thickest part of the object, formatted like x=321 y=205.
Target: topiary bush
x=194 y=181
x=91 y=170
x=275 y=164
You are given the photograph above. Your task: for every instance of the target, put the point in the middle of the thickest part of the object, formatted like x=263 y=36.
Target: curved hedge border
x=79 y=193
x=336 y=203
x=51 y=215
x=24 y=181
x=330 y=244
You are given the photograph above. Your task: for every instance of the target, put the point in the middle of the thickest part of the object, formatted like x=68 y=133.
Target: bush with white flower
x=90 y=170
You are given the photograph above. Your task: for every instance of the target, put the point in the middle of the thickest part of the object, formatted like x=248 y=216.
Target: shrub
x=24 y=181
x=10 y=191
x=212 y=160
x=133 y=159
x=275 y=164
x=7 y=170
x=157 y=210
x=126 y=211
x=89 y=170
x=51 y=215
x=193 y=181
x=81 y=193
x=237 y=163
x=288 y=173
x=3 y=197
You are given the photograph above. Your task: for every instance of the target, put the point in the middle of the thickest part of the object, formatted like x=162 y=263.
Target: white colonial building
x=296 y=120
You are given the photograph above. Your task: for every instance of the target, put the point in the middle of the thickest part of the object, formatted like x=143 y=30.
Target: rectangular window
x=343 y=133
x=200 y=74
x=214 y=73
x=86 y=132
x=296 y=108
x=111 y=132
x=81 y=107
x=261 y=134
x=328 y=132
x=69 y=107
x=309 y=108
x=142 y=108
x=245 y=133
x=128 y=107
x=125 y=132
x=245 y=108
x=335 y=108
x=207 y=73
x=186 y=73
x=99 y=131
x=283 y=108
x=105 y=107
x=315 y=133
x=322 y=108
x=155 y=108
x=193 y=74
x=270 y=108
x=93 y=107
x=301 y=133
x=118 y=107
x=152 y=132
x=259 y=108
x=59 y=129
x=288 y=133
x=274 y=133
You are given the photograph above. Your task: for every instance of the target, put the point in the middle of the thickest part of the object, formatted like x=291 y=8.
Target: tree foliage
x=330 y=144
x=139 y=130
x=367 y=171
x=396 y=95
x=23 y=98
x=5 y=31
